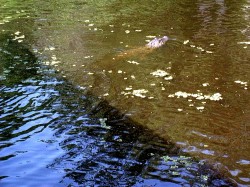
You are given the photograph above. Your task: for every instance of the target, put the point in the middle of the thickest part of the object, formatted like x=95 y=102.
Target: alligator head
x=157 y=42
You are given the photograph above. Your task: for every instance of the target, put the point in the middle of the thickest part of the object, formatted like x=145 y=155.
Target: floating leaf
x=139 y=93
x=205 y=84
x=133 y=62
x=200 y=108
x=168 y=78
x=127 y=31
x=209 y=51
x=19 y=37
x=244 y=43
x=17 y=33
x=198 y=96
x=150 y=36
x=185 y=42
x=159 y=73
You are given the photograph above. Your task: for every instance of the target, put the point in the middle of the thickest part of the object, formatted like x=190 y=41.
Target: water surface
x=192 y=91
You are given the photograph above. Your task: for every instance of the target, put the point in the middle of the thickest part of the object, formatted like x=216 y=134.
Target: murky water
x=193 y=92
x=55 y=134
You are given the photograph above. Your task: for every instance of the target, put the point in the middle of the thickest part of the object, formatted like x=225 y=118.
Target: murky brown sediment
x=209 y=56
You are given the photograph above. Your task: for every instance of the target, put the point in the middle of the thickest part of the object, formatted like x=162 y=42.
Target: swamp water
x=83 y=103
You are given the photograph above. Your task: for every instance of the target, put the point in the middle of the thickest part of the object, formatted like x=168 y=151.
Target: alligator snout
x=157 y=42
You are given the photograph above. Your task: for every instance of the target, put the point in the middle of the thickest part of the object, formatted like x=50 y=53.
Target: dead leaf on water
x=185 y=42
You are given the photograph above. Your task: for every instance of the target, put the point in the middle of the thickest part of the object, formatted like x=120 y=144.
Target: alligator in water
x=102 y=81
x=157 y=42
x=141 y=51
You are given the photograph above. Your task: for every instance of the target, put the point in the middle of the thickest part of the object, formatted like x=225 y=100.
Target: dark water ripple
x=53 y=130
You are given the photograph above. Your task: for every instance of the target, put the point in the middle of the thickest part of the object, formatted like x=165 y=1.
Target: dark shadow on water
x=100 y=145
x=127 y=154
x=17 y=61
